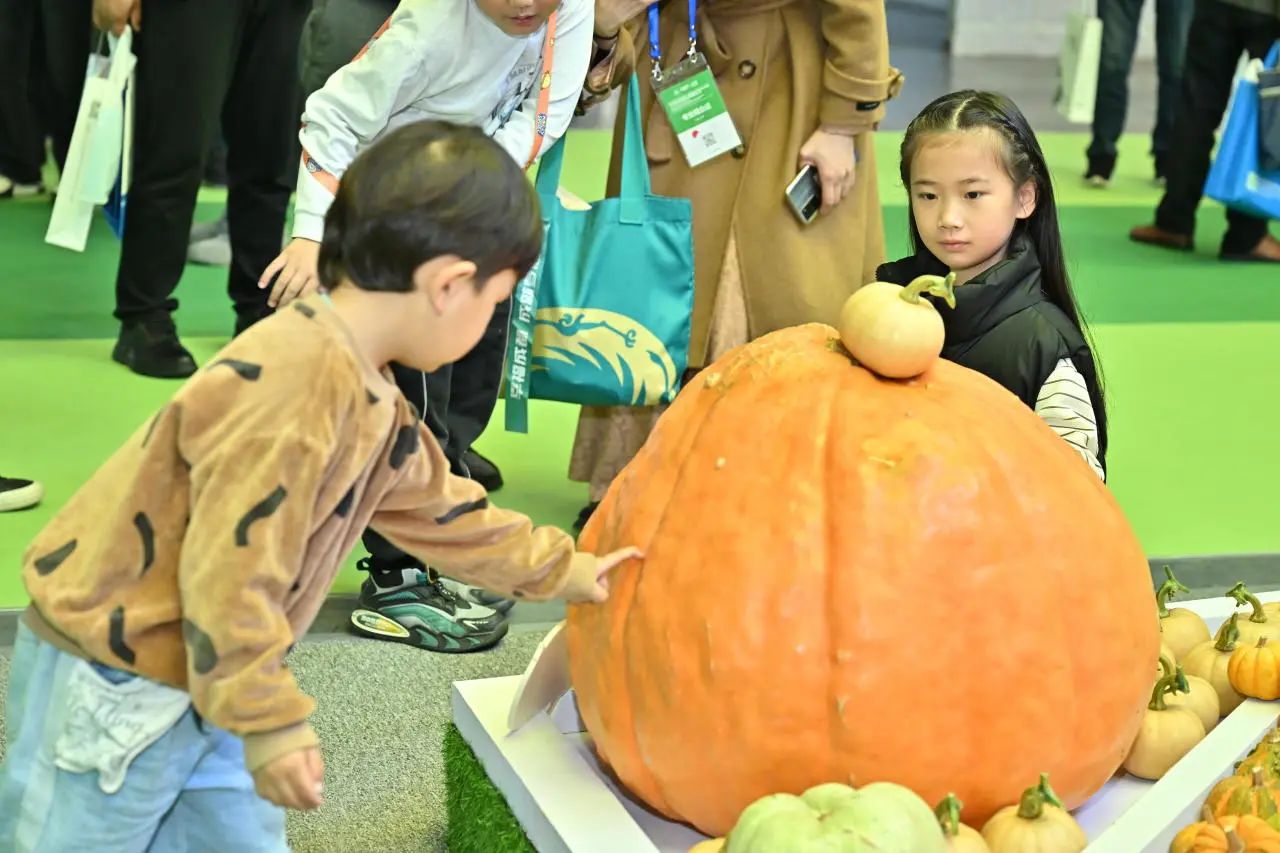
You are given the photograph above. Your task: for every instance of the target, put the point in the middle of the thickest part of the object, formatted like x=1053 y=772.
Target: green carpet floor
x=1193 y=454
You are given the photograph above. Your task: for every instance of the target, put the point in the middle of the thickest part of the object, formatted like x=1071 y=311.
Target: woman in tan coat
x=805 y=82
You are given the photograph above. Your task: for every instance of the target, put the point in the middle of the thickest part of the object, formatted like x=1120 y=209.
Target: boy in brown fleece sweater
x=150 y=694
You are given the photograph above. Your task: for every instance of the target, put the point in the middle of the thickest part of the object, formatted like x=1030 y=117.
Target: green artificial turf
x=479 y=818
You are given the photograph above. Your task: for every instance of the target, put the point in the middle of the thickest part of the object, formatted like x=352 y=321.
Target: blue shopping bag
x=604 y=318
x=1236 y=179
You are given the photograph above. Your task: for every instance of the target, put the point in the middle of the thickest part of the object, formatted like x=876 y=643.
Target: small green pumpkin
x=835 y=818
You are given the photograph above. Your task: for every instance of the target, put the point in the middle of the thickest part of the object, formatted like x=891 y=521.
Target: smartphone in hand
x=804 y=194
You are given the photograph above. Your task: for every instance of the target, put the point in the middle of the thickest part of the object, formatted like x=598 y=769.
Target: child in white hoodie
x=515 y=69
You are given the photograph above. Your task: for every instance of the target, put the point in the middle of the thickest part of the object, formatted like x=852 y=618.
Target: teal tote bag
x=604 y=317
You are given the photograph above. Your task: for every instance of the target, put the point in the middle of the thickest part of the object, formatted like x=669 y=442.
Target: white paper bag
x=1078 y=67
x=100 y=143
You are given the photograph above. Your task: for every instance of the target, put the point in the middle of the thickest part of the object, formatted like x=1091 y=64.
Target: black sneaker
x=151 y=348
x=404 y=604
x=1099 y=173
x=483 y=471
x=19 y=494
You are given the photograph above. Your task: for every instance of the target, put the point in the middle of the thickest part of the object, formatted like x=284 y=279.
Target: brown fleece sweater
x=204 y=547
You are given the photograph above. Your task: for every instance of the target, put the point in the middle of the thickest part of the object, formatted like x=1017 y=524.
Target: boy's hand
x=606 y=564
x=110 y=16
x=293 y=781
x=297 y=277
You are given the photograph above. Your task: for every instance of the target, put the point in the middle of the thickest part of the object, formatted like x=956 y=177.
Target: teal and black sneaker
x=477 y=595
x=405 y=604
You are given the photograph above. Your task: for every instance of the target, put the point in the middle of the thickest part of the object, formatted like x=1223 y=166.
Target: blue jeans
x=188 y=790
x=1119 y=40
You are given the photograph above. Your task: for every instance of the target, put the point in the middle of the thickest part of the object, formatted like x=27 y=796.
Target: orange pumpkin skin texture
x=792 y=507
x=1256 y=834
x=1200 y=837
x=1255 y=670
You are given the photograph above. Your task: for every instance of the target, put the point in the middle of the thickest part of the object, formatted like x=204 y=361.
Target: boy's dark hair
x=1023 y=161
x=425 y=190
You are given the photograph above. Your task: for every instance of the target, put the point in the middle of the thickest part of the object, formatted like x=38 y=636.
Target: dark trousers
x=1119 y=39
x=205 y=64
x=1219 y=32
x=457 y=400
x=44 y=49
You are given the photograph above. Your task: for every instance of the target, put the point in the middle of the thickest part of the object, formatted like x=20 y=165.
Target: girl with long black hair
x=982 y=207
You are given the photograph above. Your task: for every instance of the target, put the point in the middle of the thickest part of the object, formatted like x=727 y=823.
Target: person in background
x=1119 y=40
x=202 y=64
x=17 y=493
x=44 y=45
x=805 y=83
x=151 y=705
x=982 y=207
x=1220 y=31
x=495 y=64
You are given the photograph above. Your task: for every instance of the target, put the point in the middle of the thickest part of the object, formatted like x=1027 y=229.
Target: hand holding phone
x=804 y=194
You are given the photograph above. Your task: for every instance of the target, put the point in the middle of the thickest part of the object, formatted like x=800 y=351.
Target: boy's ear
x=1027 y=200
x=442 y=279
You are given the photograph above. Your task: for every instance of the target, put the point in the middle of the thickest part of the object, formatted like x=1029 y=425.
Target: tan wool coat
x=784 y=67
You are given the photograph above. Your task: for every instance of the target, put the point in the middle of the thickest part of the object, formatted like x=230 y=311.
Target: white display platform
x=565 y=802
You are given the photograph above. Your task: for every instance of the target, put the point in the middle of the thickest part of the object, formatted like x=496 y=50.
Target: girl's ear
x=1027 y=200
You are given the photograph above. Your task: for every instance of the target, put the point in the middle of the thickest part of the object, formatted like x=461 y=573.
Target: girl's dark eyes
x=926 y=196
x=974 y=195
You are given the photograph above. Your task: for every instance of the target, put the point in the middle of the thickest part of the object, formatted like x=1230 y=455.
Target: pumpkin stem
x=1163 y=686
x=936 y=285
x=1031 y=805
x=1046 y=791
x=1166 y=591
x=1180 y=683
x=1242 y=596
x=1227 y=635
x=948 y=814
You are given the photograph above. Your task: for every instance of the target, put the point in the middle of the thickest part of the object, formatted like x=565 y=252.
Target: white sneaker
x=11 y=189
x=19 y=494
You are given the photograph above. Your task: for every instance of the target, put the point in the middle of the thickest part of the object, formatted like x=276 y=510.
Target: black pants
x=205 y=64
x=457 y=400
x=1219 y=32
x=1119 y=39
x=44 y=48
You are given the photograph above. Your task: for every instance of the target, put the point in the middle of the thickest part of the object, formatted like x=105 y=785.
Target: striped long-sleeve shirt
x=1063 y=403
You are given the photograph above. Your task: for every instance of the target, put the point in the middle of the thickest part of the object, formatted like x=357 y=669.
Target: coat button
x=746 y=69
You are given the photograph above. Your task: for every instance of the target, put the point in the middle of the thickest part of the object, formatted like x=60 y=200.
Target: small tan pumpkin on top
x=1192 y=693
x=1167 y=734
x=1255 y=670
x=1259 y=624
x=1210 y=661
x=891 y=330
x=1183 y=629
x=960 y=838
x=1037 y=824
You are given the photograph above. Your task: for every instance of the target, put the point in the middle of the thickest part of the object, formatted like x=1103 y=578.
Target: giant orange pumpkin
x=854 y=579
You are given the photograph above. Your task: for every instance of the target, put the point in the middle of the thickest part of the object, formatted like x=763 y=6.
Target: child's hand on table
x=293 y=781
